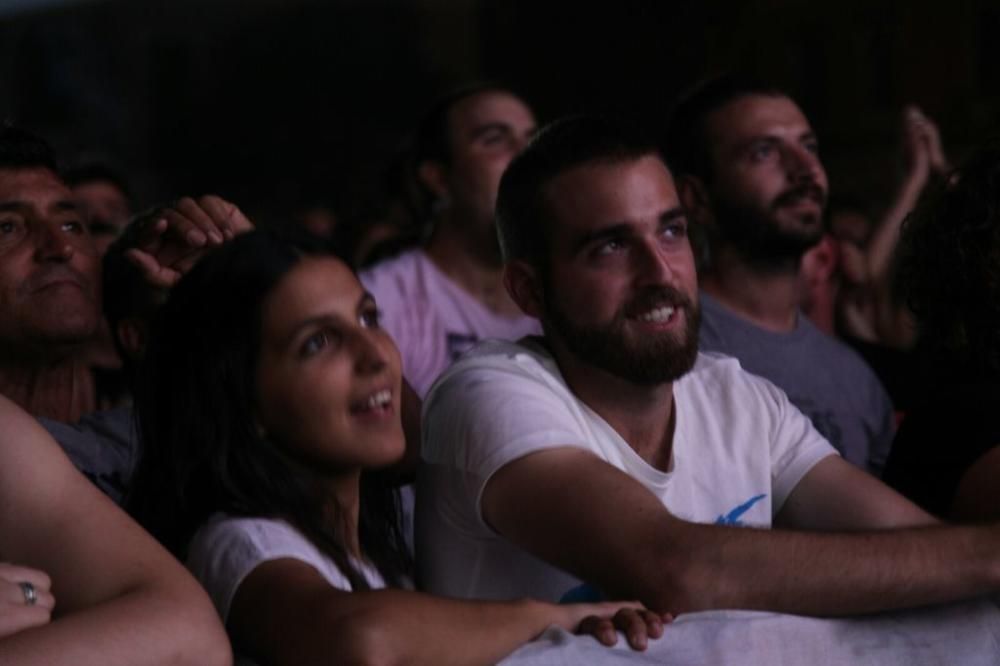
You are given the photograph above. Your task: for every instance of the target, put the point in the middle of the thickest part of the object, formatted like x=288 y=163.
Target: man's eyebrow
x=614 y=230
x=676 y=213
x=17 y=205
x=485 y=128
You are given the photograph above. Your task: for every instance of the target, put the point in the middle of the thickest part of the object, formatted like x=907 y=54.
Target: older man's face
x=49 y=271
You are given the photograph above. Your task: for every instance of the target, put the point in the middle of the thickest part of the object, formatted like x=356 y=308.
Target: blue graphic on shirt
x=587 y=593
x=733 y=517
x=582 y=594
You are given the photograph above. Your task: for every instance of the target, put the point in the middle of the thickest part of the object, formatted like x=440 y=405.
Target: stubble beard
x=760 y=238
x=615 y=349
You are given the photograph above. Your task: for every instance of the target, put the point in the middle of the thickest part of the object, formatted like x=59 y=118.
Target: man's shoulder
x=526 y=358
x=399 y=270
x=718 y=371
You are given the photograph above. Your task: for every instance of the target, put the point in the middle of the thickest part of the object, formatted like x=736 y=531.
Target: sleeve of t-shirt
x=484 y=416
x=224 y=552
x=796 y=445
x=884 y=431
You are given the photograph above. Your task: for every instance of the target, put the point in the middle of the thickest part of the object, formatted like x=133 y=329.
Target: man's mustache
x=657 y=297
x=807 y=190
x=51 y=275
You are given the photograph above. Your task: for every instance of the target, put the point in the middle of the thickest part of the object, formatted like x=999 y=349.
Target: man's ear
x=433 y=176
x=523 y=285
x=133 y=334
x=694 y=198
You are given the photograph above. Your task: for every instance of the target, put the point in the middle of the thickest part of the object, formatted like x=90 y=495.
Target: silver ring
x=30 y=595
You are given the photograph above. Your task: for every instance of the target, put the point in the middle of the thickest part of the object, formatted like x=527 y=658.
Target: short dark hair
x=567 y=143
x=432 y=141
x=685 y=142
x=96 y=172
x=949 y=272
x=20 y=149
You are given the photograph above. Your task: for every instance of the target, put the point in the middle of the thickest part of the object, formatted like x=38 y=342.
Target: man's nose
x=51 y=244
x=802 y=164
x=653 y=263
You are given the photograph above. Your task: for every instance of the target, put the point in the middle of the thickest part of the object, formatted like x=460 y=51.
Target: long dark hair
x=195 y=404
x=950 y=269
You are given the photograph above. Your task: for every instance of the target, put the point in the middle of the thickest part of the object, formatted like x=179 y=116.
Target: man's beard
x=759 y=237
x=645 y=361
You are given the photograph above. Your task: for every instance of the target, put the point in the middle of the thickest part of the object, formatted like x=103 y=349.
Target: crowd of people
x=619 y=375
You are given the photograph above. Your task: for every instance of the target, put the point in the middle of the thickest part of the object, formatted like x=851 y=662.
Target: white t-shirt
x=225 y=550
x=432 y=319
x=739 y=449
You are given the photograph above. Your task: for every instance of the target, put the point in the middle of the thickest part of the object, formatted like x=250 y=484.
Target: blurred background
x=281 y=104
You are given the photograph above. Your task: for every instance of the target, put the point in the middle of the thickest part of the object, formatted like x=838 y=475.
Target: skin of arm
x=285 y=612
x=924 y=156
x=978 y=494
x=587 y=517
x=120 y=598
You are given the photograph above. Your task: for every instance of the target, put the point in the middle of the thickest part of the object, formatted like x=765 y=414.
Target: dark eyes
x=370 y=318
x=319 y=341
x=74 y=227
x=331 y=338
x=8 y=227
x=675 y=230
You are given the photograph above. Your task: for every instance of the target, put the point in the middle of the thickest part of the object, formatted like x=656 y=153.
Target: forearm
x=886 y=235
x=824 y=574
x=143 y=626
x=398 y=626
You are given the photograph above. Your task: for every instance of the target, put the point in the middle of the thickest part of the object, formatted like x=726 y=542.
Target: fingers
x=157 y=275
x=600 y=628
x=191 y=223
x=18 y=618
x=229 y=219
x=16 y=613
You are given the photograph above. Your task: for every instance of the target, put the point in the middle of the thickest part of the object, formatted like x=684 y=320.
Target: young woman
x=269 y=401
x=946 y=456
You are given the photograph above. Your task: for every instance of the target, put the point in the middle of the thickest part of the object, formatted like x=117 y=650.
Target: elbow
x=205 y=641
x=681 y=582
x=367 y=639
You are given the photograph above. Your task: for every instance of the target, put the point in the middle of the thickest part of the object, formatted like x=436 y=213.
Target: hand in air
x=169 y=240
x=922 y=145
x=25 y=599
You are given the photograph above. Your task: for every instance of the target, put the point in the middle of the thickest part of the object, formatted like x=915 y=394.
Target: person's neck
x=60 y=388
x=642 y=415
x=768 y=298
x=343 y=493
x=477 y=269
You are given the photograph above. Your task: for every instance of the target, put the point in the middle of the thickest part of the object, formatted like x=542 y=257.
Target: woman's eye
x=319 y=341
x=370 y=318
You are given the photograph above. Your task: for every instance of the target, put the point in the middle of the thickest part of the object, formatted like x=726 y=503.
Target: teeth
x=658 y=315
x=379 y=399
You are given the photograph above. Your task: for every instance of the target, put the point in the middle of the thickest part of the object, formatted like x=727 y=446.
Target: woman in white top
x=269 y=406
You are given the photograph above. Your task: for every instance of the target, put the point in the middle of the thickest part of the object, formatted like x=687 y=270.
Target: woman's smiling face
x=328 y=377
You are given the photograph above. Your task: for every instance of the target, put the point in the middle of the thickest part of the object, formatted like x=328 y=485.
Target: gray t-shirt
x=823 y=377
x=104 y=446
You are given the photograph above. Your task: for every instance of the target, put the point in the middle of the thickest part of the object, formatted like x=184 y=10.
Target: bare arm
x=576 y=512
x=836 y=495
x=978 y=494
x=119 y=597
x=284 y=612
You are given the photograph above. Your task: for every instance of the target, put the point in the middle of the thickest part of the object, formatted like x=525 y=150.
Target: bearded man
x=609 y=459
x=749 y=173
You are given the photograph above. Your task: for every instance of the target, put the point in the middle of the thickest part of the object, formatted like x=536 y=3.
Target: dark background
x=274 y=102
